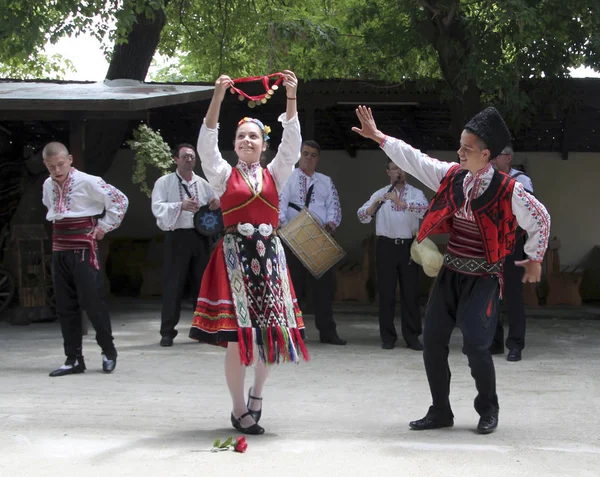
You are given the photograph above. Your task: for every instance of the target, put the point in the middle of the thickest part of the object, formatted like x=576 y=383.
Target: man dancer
x=74 y=199
x=513 y=275
x=397 y=210
x=480 y=208
x=311 y=189
x=176 y=197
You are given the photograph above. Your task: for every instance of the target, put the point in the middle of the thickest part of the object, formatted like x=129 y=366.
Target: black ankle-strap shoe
x=255 y=414
x=254 y=429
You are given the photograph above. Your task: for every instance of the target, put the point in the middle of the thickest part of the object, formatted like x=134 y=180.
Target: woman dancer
x=247 y=301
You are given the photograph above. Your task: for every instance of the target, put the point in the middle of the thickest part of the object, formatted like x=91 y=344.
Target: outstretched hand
x=290 y=82
x=222 y=84
x=368 y=128
x=533 y=270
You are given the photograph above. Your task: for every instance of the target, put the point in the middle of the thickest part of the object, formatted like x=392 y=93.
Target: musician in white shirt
x=397 y=210
x=186 y=252
x=513 y=275
x=316 y=191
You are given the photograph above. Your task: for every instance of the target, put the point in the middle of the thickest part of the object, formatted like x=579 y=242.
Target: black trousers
x=515 y=306
x=394 y=265
x=186 y=254
x=322 y=293
x=471 y=303
x=79 y=286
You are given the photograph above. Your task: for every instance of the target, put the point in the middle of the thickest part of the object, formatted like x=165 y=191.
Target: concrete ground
x=345 y=412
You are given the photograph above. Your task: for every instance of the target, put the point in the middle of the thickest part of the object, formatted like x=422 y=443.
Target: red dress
x=246 y=293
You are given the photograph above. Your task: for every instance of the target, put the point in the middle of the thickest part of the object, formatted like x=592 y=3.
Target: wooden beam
x=11 y=115
x=351 y=150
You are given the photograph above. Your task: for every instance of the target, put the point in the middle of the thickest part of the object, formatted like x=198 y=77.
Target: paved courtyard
x=345 y=412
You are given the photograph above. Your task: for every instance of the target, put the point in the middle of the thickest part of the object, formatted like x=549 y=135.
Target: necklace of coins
x=270 y=89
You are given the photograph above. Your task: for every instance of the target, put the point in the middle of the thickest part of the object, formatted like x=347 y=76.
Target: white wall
x=569 y=189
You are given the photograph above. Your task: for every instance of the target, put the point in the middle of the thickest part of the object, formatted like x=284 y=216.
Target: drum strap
x=184 y=186
x=306 y=202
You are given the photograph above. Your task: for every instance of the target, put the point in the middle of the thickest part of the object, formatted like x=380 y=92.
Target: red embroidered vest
x=241 y=204
x=492 y=211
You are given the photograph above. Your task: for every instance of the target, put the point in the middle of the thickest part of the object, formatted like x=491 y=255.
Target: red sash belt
x=76 y=234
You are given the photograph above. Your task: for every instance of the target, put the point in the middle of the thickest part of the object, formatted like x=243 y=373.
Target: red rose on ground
x=240 y=444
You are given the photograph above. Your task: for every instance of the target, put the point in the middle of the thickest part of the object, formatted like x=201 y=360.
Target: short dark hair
x=184 y=144
x=54 y=148
x=313 y=144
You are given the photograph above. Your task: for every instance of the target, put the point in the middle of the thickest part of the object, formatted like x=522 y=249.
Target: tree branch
x=450 y=17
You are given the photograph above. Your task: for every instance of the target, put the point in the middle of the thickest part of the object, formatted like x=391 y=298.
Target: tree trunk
x=446 y=32
x=103 y=139
x=131 y=60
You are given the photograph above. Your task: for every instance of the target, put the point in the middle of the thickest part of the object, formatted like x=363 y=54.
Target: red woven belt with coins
x=270 y=89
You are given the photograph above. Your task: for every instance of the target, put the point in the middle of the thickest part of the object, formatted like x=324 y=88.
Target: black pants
x=471 y=303
x=515 y=307
x=322 y=293
x=79 y=286
x=394 y=264
x=185 y=257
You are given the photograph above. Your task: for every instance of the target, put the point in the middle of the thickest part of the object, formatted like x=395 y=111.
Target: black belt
x=72 y=232
x=398 y=241
x=474 y=266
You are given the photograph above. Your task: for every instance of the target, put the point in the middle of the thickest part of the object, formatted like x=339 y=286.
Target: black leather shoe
x=255 y=414
x=430 y=423
x=333 y=339
x=388 y=345
x=254 y=429
x=497 y=349
x=487 y=424
x=108 y=364
x=415 y=345
x=70 y=368
x=513 y=355
x=166 y=341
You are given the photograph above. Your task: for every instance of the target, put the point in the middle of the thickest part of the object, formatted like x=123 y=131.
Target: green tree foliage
x=26 y=27
x=315 y=38
x=482 y=49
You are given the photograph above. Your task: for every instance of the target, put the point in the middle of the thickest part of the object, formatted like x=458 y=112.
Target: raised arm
x=216 y=169
x=429 y=171
x=288 y=153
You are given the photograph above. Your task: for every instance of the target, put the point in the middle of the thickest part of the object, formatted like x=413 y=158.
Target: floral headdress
x=265 y=129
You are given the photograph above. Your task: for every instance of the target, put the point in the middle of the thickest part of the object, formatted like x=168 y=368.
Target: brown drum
x=311 y=243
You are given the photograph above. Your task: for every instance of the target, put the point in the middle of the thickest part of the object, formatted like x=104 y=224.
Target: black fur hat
x=491 y=128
